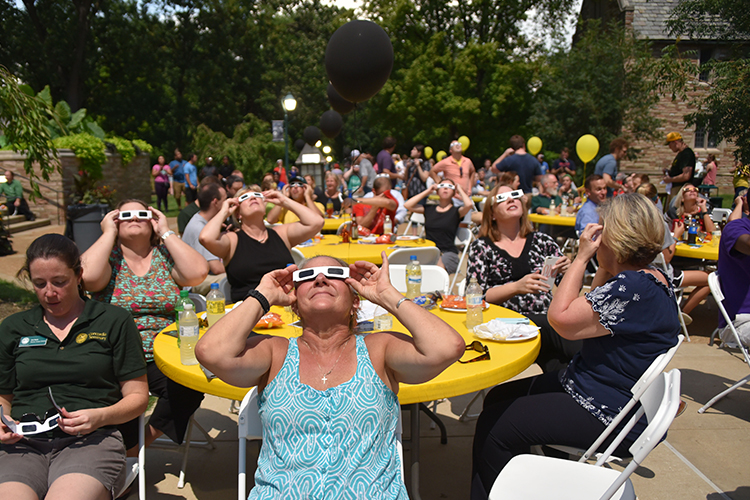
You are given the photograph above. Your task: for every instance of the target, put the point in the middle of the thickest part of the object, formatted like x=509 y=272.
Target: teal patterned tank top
x=339 y=443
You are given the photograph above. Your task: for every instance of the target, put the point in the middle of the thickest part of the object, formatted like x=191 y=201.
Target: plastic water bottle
x=473 y=305
x=215 y=305
x=180 y=306
x=552 y=207
x=413 y=278
x=387 y=225
x=189 y=329
x=692 y=232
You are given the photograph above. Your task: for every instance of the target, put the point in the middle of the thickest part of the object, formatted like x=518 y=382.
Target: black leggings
x=527 y=412
x=162 y=190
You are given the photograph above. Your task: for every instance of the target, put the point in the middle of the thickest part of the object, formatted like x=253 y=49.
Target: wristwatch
x=167 y=235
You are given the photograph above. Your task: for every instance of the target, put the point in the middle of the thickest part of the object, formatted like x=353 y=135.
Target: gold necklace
x=324 y=378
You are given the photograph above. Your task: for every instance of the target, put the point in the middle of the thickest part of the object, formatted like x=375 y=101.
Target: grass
x=173 y=210
x=12 y=293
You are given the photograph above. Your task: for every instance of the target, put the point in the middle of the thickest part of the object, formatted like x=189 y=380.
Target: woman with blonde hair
x=507 y=259
x=258 y=249
x=621 y=336
x=686 y=205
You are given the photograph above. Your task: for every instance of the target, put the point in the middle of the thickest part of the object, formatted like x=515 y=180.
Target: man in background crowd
x=608 y=165
x=13 y=192
x=210 y=199
x=516 y=159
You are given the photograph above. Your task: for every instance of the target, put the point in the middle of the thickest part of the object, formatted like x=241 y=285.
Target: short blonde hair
x=489 y=227
x=633 y=229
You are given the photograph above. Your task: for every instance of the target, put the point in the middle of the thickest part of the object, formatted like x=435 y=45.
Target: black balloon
x=331 y=123
x=347 y=151
x=359 y=60
x=299 y=144
x=311 y=135
x=338 y=103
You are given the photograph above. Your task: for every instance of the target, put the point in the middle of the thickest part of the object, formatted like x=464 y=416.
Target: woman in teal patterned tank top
x=328 y=399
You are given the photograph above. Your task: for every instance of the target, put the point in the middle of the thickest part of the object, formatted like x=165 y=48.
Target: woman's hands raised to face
x=589 y=242
x=278 y=287
x=370 y=281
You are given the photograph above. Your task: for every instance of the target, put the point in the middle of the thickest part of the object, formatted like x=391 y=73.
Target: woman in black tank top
x=255 y=250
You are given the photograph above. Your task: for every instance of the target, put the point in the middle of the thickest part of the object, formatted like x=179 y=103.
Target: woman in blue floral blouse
x=625 y=322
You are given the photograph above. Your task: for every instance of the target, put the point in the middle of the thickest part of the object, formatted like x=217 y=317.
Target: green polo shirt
x=12 y=190
x=84 y=371
x=544 y=202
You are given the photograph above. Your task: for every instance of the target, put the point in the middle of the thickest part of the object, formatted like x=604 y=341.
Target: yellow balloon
x=464 y=142
x=440 y=155
x=428 y=152
x=587 y=147
x=534 y=145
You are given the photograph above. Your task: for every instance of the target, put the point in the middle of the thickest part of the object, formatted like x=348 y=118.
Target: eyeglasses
x=30 y=423
x=478 y=347
x=688 y=189
x=512 y=195
x=135 y=214
x=251 y=194
x=331 y=272
x=446 y=185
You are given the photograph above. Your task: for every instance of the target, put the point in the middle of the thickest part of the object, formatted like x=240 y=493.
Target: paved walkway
x=704 y=457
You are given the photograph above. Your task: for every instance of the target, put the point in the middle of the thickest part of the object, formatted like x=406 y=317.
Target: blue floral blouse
x=640 y=312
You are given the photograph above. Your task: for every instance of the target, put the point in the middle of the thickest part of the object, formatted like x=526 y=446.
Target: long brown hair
x=489 y=226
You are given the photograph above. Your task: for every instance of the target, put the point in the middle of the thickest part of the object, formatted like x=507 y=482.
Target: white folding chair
x=715 y=286
x=661 y=263
x=433 y=278
x=226 y=290
x=199 y=301
x=568 y=480
x=718 y=213
x=347 y=224
x=417 y=219
x=136 y=466
x=297 y=255
x=658 y=365
x=249 y=428
x=463 y=238
x=425 y=255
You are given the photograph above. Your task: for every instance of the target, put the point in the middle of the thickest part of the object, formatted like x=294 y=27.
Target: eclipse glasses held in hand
x=248 y=195
x=513 y=195
x=446 y=185
x=27 y=427
x=135 y=214
x=310 y=273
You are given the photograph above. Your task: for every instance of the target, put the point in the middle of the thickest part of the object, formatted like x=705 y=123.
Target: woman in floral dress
x=507 y=260
x=626 y=321
x=140 y=264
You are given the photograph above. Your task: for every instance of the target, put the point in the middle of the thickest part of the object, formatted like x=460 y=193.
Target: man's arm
x=685 y=176
x=742 y=244
x=610 y=181
x=503 y=156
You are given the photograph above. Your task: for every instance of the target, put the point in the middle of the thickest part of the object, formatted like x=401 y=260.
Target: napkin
x=506 y=329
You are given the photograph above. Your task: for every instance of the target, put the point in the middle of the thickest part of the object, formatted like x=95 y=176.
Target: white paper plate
x=407 y=237
x=462 y=309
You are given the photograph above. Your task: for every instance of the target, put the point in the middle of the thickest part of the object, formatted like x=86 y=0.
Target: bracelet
x=167 y=235
x=401 y=300
x=261 y=299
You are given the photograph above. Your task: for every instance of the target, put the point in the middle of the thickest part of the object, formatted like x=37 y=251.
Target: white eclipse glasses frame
x=512 y=195
x=310 y=273
x=250 y=194
x=446 y=185
x=135 y=214
x=30 y=428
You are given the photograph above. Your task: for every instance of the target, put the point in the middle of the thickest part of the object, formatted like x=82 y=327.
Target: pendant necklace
x=324 y=378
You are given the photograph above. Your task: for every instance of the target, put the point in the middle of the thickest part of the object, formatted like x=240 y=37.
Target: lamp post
x=289 y=103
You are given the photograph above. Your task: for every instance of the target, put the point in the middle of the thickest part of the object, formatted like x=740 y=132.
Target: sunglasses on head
x=512 y=195
x=310 y=273
x=446 y=185
x=478 y=347
x=251 y=194
x=135 y=214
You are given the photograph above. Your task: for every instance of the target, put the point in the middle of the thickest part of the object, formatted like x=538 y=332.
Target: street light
x=289 y=103
x=326 y=149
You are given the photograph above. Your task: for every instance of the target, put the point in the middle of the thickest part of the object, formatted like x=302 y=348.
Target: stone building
x=647 y=21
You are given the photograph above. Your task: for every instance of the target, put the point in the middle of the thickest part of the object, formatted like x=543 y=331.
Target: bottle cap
x=214 y=286
x=188 y=307
x=184 y=293
x=413 y=257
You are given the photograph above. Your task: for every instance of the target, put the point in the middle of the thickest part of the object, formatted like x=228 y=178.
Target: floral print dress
x=150 y=298
x=493 y=266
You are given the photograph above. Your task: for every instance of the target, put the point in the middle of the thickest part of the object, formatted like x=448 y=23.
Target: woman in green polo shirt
x=89 y=357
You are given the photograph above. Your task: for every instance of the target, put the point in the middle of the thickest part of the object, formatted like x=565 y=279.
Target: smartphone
x=547 y=270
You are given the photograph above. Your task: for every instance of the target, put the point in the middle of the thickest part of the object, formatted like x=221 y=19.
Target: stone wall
x=131 y=181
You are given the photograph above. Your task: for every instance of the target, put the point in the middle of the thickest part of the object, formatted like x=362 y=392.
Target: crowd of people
x=107 y=305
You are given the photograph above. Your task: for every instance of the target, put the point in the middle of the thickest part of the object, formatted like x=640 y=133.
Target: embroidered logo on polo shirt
x=98 y=335
x=81 y=338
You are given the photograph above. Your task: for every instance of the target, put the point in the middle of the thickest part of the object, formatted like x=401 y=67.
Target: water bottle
x=383 y=320
x=180 y=306
x=413 y=278
x=215 y=305
x=552 y=207
x=189 y=329
x=387 y=225
x=473 y=305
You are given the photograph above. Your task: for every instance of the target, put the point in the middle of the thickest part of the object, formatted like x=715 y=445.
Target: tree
x=725 y=109
x=604 y=85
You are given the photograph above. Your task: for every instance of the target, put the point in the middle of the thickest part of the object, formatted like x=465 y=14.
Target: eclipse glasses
x=513 y=195
x=250 y=194
x=135 y=214
x=310 y=273
x=27 y=426
x=446 y=185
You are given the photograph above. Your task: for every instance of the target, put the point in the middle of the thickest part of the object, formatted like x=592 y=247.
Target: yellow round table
x=554 y=220
x=331 y=225
x=707 y=251
x=353 y=251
